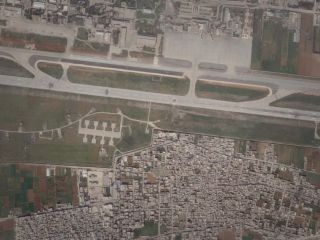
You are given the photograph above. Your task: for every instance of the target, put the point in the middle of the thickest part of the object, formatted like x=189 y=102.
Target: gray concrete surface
x=233 y=52
x=286 y=85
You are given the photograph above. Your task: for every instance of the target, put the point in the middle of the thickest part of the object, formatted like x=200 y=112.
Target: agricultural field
x=34 y=41
x=316 y=39
x=53 y=69
x=7 y=229
x=273 y=48
x=291 y=155
x=256 y=39
x=299 y=101
x=10 y=68
x=309 y=60
x=312 y=157
x=314 y=179
x=26 y=189
x=128 y=80
x=233 y=93
x=306 y=159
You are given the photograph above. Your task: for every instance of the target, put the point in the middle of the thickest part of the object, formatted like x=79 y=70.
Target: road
x=238 y=4
x=284 y=85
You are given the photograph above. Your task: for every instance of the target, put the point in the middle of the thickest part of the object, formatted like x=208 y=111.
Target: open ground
x=32 y=132
x=299 y=101
x=230 y=91
x=11 y=68
x=53 y=69
x=129 y=80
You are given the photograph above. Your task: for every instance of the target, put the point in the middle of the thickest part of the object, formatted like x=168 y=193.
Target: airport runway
x=285 y=85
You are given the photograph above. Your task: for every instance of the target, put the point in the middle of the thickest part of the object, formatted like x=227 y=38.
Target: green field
x=91 y=47
x=53 y=69
x=256 y=40
x=149 y=229
x=299 y=101
x=33 y=111
x=147 y=4
x=7 y=235
x=26 y=189
x=147 y=56
x=3 y=22
x=240 y=126
x=240 y=146
x=314 y=179
x=7 y=229
x=83 y=33
x=273 y=48
x=145 y=27
x=127 y=80
x=316 y=39
x=251 y=235
x=228 y=93
x=290 y=155
x=52 y=153
x=11 y=68
x=20 y=148
x=134 y=136
x=62 y=153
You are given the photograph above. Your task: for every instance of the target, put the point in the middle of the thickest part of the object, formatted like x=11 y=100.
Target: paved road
x=285 y=85
x=238 y=4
